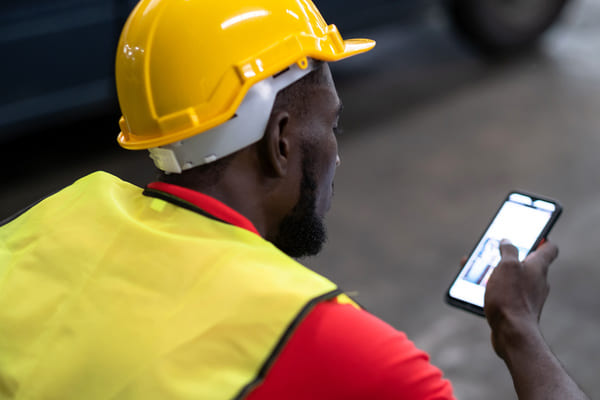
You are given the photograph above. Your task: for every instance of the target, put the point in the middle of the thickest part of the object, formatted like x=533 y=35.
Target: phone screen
x=524 y=220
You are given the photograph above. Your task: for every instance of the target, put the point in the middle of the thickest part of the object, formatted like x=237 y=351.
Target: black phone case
x=479 y=310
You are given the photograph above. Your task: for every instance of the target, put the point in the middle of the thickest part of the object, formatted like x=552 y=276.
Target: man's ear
x=276 y=143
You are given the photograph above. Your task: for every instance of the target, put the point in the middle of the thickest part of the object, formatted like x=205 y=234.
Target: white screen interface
x=520 y=219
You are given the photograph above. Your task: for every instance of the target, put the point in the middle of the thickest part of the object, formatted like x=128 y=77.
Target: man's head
x=199 y=86
x=295 y=163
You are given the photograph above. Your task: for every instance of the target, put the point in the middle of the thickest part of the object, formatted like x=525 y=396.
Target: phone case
x=474 y=308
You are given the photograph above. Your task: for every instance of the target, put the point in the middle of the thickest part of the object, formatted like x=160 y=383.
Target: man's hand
x=516 y=292
x=514 y=297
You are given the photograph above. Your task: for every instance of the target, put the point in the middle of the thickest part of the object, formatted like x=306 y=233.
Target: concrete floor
x=433 y=139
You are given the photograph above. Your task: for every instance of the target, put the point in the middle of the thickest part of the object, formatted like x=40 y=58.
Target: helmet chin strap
x=247 y=126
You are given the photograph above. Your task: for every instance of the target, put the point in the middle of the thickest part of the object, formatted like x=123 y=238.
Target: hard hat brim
x=355 y=46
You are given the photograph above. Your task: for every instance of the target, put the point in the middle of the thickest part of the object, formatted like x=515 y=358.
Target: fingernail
x=505 y=241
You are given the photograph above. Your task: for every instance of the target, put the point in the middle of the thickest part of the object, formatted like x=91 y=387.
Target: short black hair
x=295 y=96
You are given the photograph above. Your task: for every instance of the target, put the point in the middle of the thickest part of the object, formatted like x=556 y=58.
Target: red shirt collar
x=208 y=204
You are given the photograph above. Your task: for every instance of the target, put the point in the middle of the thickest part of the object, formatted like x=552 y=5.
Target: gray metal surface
x=434 y=138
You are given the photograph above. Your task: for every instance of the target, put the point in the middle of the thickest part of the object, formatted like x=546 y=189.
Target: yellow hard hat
x=184 y=66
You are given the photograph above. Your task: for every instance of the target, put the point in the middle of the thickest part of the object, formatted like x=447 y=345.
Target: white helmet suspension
x=247 y=126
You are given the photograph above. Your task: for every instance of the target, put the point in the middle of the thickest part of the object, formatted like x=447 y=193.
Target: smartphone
x=522 y=218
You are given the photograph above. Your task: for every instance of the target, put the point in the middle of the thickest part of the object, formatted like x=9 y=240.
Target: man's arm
x=515 y=295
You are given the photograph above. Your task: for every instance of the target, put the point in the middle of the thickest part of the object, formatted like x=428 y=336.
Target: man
x=186 y=289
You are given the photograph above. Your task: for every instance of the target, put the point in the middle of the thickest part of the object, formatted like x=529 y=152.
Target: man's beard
x=302 y=232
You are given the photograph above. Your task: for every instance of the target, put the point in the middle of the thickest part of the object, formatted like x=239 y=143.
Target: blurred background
x=460 y=102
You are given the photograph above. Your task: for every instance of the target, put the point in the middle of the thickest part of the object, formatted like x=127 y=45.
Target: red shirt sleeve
x=341 y=352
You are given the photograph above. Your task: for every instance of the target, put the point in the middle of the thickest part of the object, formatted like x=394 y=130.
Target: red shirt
x=337 y=351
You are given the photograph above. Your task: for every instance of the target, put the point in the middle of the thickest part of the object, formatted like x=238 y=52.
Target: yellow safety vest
x=109 y=294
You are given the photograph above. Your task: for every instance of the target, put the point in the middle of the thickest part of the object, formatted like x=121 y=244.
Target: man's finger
x=508 y=251
x=543 y=256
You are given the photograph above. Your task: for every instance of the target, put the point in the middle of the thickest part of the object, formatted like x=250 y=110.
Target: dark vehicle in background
x=58 y=55
x=58 y=60
x=496 y=28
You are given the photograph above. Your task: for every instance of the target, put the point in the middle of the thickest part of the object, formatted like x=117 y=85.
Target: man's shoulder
x=343 y=350
x=351 y=330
